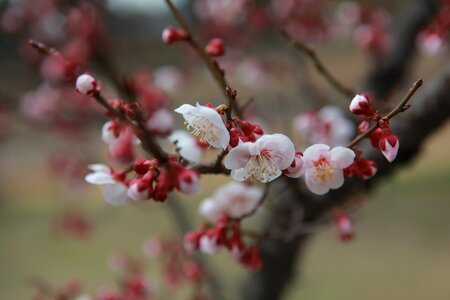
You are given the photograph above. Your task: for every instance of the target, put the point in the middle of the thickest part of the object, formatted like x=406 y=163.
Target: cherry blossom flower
x=87 y=85
x=114 y=190
x=262 y=160
x=169 y=78
x=206 y=123
x=187 y=146
x=328 y=125
x=233 y=200
x=161 y=122
x=324 y=167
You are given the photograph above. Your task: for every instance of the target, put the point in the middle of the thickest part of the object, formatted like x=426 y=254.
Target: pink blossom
x=328 y=125
x=161 y=122
x=296 y=169
x=324 y=168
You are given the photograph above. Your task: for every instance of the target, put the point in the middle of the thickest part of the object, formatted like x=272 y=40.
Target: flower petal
x=281 y=148
x=99 y=178
x=239 y=174
x=342 y=157
x=315 y=186
x=314 y=152
x=185 y=109
x=337 y=180
x=115 y=194
x=238 y=156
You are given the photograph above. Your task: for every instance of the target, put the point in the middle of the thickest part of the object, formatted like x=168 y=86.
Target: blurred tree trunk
x=431 y=108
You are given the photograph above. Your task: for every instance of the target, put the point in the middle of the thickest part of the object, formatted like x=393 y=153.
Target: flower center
x=261 y=167
x=203 y=130
x=324 y=170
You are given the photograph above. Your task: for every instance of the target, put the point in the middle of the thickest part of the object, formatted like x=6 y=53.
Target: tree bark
x=431 y=108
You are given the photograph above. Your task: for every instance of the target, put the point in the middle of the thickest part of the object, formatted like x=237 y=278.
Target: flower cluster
x=209 y=240
x=382 y=138
x=152 y=181
x=328 y=126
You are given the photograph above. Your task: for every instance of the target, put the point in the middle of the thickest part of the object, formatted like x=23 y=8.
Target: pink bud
x=344 y=226
x=87 y=85
x=389 y=146
x=140 y=189
x=215 y=47
x=360 y=106
x=188 y=181
x=191 y=240
x=171 y=35
x=296 y=168
x=251 y=258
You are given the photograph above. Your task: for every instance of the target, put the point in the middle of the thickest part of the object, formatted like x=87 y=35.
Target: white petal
x=239 y=174
x=224 y=137
x=115 y=194
x=99 y=168
x=161 y=121
x=342 y=157
x=337 y=180
x=391 y=152
x=315 y=152
x=185 y=108
x=208 y=245
x=135 y=194
x=108 y=134
x=99 y=178
x=210 y=209
x=238 y=156
x=315 y=186
x=281 y=148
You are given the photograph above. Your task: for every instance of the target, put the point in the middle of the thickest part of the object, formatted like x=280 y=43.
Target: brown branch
x=148 y=143
x=318 y=64
x=210 y=63
x=401 y=107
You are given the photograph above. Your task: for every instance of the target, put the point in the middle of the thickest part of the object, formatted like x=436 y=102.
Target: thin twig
x=148 y=143
x=401 y=107
x=260 y=203
x=211 y=64
x=319 y=65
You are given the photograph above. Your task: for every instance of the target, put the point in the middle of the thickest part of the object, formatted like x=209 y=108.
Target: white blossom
x=187 y=145
x=205 y=123
x=234 y=199
x=114 y=191
x=262 y=160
